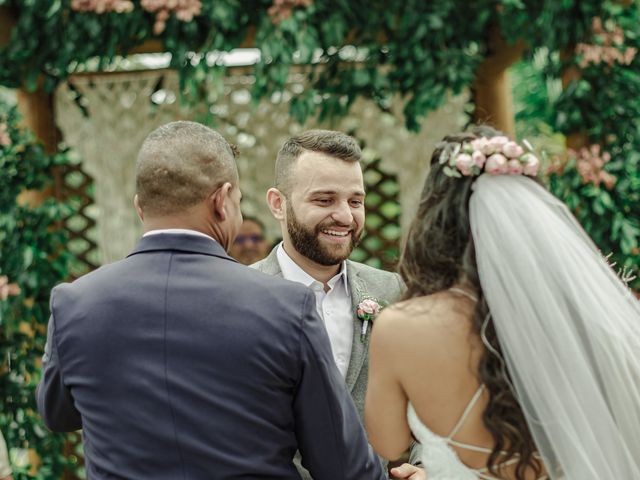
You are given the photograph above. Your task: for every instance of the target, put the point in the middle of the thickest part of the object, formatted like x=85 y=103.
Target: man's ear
x=136 y=204
x=276 y=201
x=217 y=201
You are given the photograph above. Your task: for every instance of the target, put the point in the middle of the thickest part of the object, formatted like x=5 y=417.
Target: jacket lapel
x=357 y=291
x=359 y=348
x=270 y=264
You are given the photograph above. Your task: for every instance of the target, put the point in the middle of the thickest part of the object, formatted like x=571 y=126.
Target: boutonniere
x=367 y=310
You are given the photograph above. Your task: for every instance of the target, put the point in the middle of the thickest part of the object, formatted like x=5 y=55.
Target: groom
x=319 y=200
x=180 y=363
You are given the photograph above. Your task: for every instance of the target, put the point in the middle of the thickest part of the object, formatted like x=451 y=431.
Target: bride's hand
x=409 y=472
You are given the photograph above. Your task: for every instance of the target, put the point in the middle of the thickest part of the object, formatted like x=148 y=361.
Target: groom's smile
x=325 y=209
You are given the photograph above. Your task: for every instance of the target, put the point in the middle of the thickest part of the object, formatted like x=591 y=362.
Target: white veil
x=568 y=327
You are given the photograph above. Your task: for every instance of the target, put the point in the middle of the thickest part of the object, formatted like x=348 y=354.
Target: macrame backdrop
x=106 y=117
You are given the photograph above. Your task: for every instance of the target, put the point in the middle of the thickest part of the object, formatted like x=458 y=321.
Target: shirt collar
x=292 y=271
x=181 y=231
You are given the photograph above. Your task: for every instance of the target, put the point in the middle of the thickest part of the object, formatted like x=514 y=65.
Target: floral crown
x=494 y=155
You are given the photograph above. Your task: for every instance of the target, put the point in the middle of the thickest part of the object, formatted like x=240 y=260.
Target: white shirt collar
x=174 y=231
x=292 y=271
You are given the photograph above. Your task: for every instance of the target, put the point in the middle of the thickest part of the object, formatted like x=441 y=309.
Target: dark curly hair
x=438 y=254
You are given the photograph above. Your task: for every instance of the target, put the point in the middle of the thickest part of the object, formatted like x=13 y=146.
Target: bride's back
x=438 y=365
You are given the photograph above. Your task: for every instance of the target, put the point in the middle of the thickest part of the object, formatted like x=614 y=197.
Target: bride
x=516 y=352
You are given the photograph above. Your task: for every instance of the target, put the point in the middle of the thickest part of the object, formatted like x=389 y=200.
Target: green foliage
x=554 y=24
x=535 y=94
x=31 y=255
x=604 y=104
x=50 y=40
x=416 y=50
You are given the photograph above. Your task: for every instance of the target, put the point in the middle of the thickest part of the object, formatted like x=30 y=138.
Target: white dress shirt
x=334 y=306
x=173 y=231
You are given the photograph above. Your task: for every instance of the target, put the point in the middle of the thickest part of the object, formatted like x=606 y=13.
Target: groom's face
x=325 y=208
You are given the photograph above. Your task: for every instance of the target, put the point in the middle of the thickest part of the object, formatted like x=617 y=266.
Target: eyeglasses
x=242 y=239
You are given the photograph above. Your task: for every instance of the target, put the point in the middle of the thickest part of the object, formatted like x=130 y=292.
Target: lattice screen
x=75 y=187
x=381 y=240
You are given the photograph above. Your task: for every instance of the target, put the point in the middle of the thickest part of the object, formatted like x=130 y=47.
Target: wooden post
x=492 y=87
x=7 y=21
x=37 y=115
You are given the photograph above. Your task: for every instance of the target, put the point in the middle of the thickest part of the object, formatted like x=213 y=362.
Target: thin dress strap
x=466 y=412
x=462 y=292
x=483 y=473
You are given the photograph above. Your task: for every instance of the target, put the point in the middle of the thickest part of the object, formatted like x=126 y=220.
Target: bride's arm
x=386 y=401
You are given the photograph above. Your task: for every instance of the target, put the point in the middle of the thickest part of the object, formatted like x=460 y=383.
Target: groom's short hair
x=179 y=164
x=332 y=143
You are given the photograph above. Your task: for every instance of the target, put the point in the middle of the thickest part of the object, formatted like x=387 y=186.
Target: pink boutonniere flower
x=367 y=310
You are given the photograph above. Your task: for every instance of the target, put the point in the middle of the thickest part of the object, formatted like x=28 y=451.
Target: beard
x=307 y=241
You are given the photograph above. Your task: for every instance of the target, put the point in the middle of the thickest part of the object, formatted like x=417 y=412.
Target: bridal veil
x=568 y=326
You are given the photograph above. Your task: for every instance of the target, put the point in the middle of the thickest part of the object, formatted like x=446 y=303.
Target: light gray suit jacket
x=364 y=281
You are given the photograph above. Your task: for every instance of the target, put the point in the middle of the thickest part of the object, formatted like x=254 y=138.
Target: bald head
x=331 y=143
x=179 y=164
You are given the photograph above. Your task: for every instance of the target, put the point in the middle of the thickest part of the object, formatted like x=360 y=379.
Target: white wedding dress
x=439 y=459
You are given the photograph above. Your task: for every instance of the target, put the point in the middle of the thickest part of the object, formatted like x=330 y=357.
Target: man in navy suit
x=178 y=362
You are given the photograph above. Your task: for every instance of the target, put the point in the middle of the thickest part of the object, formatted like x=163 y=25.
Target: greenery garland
x=32 y=255
x=414 y=49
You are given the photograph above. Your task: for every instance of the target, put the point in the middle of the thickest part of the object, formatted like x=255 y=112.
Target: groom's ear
x=276 y=202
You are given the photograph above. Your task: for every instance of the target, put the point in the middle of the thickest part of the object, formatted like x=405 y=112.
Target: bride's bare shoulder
x=440 y=310
x=440 y=320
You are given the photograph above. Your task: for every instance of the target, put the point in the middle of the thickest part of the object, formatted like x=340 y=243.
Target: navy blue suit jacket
x=179 y=363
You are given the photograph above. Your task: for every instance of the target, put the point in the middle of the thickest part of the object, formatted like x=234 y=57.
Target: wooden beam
x=492 y=87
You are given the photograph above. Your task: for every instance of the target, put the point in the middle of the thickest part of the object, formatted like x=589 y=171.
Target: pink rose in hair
x=480 y=143
x=496 y=164
x=512 y=150
x=478 y=158
x=488 y=148
x=464 y=162
x=515 y=167
x=531 y=164
x=495 y=144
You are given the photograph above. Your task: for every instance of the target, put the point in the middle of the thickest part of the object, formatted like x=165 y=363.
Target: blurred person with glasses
x=250 y=245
